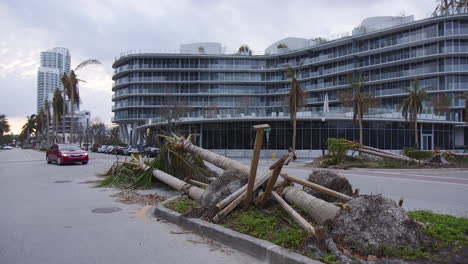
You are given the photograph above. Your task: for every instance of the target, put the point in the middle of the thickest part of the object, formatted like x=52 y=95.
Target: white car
x=109 y=149
x=102 y=149
x=8 y=147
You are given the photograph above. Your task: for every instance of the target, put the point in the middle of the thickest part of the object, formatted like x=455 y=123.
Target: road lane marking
x=409 y=174
x=405 y=179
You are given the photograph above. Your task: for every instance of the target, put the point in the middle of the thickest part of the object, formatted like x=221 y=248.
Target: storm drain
x=106 y=210
x=61 y=181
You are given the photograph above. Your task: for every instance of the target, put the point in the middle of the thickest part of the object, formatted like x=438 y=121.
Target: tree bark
x=416 y=132
x=294 y=132
x=72 y=114
x=213 y=158
x=319 y=210
x=181 y=186
x=64 y=108
x=360 y=125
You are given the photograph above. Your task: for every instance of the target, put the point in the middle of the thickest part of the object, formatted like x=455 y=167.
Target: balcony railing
x=309 y=112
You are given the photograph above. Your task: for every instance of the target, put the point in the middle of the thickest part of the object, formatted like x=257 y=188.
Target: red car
x=65 y=153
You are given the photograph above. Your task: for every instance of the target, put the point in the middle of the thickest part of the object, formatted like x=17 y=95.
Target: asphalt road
x=46 y=217
x=440 y=190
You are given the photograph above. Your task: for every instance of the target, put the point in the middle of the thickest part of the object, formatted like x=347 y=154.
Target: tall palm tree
x=57 y=109
x=413 y=105
x=47 y=120
x=40 y=126
x=4 y=126
x=70 y=84
x=295 y=101
x=357 y=99
x=29 y=128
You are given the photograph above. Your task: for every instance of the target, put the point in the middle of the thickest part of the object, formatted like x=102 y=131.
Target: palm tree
x=358 y=100
x=40 y=125
x=412 y=105
x=29 y=127
x=4 y=126
x=296 y=100
x=57 y=109
x=70 y=84
x=47 y=119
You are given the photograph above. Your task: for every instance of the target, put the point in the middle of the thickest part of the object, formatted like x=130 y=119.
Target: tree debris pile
x=230 y=181
x=372 y=223
x=330 y=180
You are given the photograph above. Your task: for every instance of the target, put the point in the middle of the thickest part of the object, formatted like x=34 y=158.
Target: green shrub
x=337 y=147
x=420 y=154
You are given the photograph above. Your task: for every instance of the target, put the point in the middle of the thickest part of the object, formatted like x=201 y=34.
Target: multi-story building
x=217 y=97
x=53 y=64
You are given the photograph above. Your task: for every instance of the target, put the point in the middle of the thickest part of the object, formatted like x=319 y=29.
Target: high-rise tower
x=54 y=63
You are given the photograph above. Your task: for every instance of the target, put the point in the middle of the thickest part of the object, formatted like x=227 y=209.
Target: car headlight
x=65 y=155
x=86 y=154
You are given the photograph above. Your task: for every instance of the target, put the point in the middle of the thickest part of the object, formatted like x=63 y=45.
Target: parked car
x=109 y=149
x=66 y=153
x=7 y=147
x=118 y=150
x=152 y=152
x=131 y=150
x=102 y=149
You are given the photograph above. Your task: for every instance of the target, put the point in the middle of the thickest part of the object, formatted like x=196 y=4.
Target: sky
x=102 y=29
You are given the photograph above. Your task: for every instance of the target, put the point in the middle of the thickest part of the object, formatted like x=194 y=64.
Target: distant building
x=225 y=94
x=54 y=63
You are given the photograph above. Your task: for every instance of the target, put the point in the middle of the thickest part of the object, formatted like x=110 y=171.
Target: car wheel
x=59 y=161
x=84 y=162
x=47 y=159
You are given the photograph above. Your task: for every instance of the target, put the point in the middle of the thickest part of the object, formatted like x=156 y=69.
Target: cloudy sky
x=102 y=29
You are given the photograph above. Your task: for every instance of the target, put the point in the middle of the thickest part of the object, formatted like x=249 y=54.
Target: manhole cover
x=106 y=210
x=61 y=181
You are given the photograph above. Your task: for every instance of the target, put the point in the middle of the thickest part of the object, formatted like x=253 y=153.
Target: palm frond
x=86 y=63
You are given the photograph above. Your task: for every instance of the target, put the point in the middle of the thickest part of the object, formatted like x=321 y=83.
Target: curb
x=258 y=248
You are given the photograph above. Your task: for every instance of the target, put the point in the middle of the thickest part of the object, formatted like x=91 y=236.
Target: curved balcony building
x=217 y=97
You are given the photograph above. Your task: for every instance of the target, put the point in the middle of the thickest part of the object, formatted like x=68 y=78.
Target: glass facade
x=434 y=51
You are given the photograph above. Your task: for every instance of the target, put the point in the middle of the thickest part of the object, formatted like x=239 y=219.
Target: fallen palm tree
x=138 y=172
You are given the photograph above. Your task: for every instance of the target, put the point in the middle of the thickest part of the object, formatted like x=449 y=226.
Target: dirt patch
x=372 y=224
x=133 y=197
x=329 y=180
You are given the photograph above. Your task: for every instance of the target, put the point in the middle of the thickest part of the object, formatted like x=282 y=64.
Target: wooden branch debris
x=276 y=167
x=231 y=206
x=316 y=187
x=297 y=217
x=197 y=183
x=454 y=154
x=254 y=164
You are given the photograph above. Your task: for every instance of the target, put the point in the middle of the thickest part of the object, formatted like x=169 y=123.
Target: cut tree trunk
x=213 y=158
x=319 y=210
x=181 y=186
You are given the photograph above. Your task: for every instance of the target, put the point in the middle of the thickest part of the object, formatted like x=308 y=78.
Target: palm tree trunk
x=318 y=210
x=72 y=114
x=64 y=117
x=360 y=130
x=181 y=186
x=55 y=127
x=294 y=133
x=416 y=132
x=213 y=158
